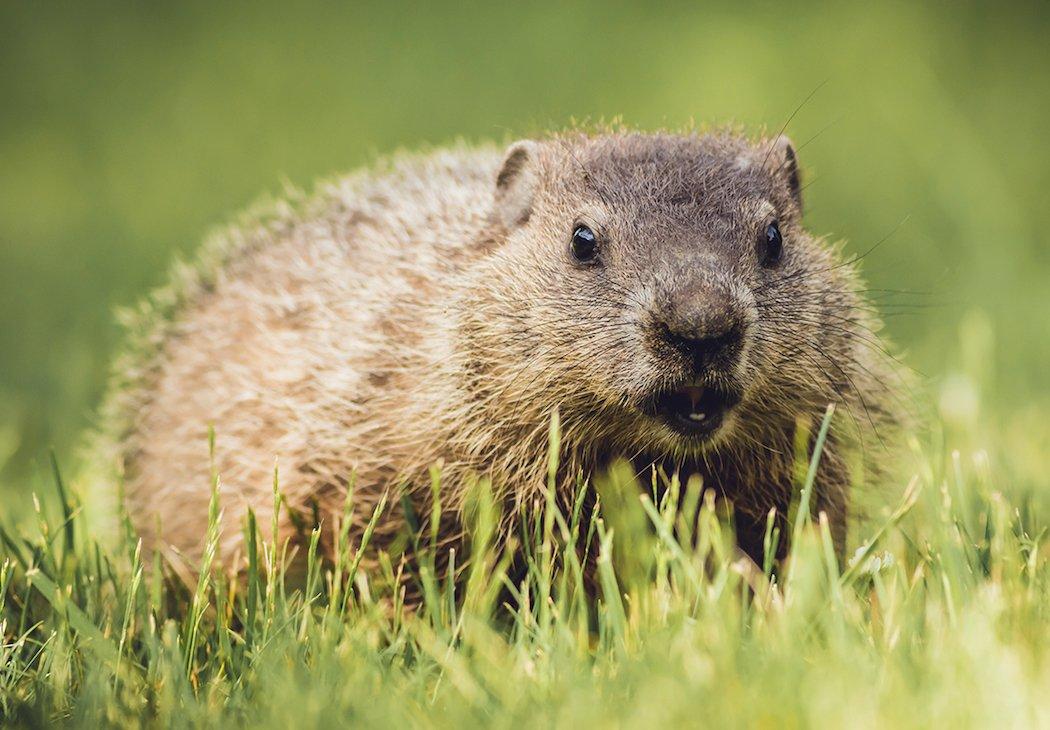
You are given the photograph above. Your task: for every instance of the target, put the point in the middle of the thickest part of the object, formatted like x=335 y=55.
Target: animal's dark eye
x=584 y=246
x=771 y=245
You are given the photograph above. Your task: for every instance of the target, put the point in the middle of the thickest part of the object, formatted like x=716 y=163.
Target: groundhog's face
x=660 y=287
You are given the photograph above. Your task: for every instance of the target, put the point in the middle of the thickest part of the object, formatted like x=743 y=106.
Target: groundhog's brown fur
x=430 y=312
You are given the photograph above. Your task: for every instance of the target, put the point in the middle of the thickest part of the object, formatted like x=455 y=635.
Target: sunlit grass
x=941 y=618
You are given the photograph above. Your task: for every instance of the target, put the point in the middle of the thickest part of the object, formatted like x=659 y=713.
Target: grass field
x=941 y=619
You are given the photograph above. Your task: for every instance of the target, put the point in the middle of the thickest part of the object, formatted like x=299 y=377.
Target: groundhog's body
x=425 y=313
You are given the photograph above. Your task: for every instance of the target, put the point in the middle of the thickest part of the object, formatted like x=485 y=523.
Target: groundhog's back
x=275 y=344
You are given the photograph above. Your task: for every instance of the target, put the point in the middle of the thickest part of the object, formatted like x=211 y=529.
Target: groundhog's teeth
x=697 y=416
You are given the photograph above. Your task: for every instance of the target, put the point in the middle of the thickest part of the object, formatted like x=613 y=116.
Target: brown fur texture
x=429 y=312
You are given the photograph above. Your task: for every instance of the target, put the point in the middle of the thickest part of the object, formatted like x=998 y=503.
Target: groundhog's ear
x=782 y=161
x=516 y=184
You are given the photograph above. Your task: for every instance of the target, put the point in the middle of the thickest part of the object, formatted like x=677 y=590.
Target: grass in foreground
x=941 y=619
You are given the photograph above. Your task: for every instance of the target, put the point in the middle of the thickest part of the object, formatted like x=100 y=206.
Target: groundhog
x=657 y=290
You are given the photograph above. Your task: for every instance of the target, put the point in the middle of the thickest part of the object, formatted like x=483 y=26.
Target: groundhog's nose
x=710 y=348
x=706 y=330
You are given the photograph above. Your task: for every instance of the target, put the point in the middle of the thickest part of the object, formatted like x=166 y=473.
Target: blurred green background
x=127 y=130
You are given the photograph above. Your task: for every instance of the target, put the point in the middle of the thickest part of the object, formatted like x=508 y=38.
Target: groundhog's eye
x=584 y=246
x=771 y=246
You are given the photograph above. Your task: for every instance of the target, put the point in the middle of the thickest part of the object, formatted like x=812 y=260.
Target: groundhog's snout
x=699 y=333
x=704 y=327
x=705 y=348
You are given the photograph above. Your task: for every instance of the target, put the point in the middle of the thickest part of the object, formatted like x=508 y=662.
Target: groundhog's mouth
x=694 y=411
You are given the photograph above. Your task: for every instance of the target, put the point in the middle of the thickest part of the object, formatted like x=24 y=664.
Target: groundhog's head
x=659 y=289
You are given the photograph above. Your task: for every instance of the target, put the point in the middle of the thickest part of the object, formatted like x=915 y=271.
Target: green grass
x=940 y=619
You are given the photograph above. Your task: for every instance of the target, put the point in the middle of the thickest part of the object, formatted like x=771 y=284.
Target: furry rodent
x=657 y=289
